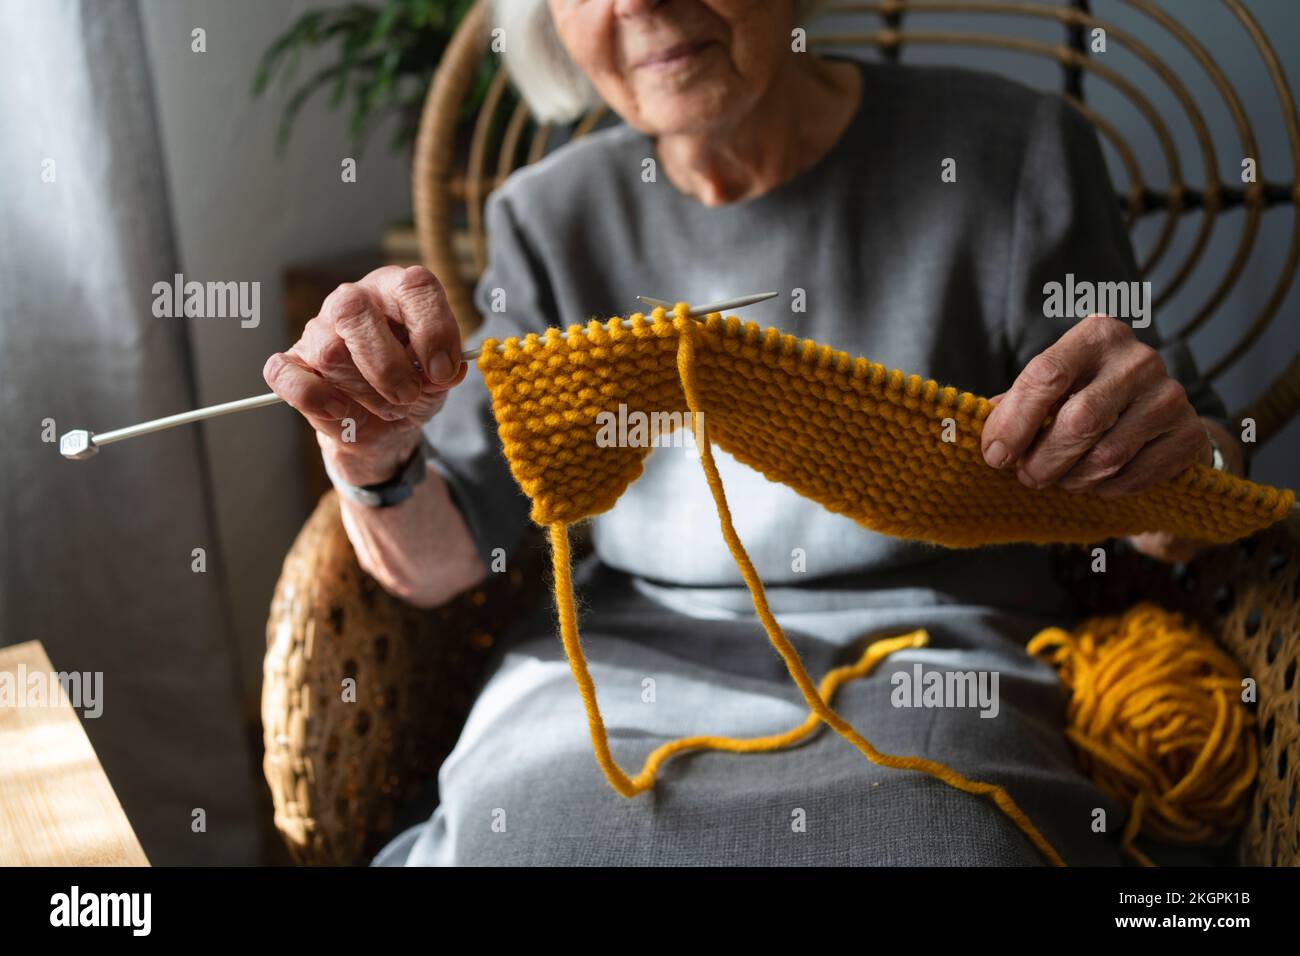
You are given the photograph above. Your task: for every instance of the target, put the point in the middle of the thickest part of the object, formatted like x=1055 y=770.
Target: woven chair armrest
x=1256 y=598
x=364 y=695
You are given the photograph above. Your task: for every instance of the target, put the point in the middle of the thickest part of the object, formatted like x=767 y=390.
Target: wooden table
x=57 y=807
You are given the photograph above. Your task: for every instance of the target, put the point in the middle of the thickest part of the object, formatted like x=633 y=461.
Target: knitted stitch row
x=860 y=440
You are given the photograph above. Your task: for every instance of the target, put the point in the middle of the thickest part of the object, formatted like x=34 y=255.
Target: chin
x=691 y=111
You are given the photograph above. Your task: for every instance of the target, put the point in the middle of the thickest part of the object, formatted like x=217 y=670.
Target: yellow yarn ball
x=1158 y=722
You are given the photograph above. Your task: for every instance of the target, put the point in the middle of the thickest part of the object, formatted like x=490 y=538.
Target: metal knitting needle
x=696 y=311
x=80 y=444
x=701 y=310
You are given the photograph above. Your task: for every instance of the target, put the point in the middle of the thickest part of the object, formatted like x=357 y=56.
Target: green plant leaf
x=423 y=12
x=383 y=63
x=384 y=23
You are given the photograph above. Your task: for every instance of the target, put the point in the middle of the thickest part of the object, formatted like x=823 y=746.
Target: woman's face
x=673 y=66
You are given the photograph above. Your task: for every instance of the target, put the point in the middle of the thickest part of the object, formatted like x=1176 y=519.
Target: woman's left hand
x=1119 y=423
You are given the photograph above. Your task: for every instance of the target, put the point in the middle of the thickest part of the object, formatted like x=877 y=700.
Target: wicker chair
x=339 y=771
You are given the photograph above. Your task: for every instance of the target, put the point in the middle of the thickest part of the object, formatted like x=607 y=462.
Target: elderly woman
x=912 y=215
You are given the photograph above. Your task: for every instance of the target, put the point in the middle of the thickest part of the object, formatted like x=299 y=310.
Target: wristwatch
x=395 y=490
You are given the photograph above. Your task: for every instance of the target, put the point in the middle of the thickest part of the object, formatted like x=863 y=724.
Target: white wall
x=242 y=213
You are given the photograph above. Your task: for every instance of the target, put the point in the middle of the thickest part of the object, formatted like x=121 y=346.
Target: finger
x=301 y=388
x=1092 y=412
x=996 y=398
x=421 y=302
x=322 y=349
x=432 y=398
x=1158 y=461
x=1153 y=414
x=360 y=321
x=1049 y=377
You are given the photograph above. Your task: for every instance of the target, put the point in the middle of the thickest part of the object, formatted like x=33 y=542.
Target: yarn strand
x=817 y=699
x=629 y=786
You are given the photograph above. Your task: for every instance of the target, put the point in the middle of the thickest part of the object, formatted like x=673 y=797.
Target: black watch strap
x=395 y=490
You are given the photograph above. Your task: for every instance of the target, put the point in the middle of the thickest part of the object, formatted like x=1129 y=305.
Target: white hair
x=555 y=90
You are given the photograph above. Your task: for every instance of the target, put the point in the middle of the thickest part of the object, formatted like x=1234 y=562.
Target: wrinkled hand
x=357 y=360
x=1119 y=423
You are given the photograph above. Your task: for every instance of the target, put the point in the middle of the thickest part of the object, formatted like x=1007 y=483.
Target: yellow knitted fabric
x=861 y=440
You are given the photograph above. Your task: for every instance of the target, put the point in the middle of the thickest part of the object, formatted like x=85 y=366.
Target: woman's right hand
x=356 y=361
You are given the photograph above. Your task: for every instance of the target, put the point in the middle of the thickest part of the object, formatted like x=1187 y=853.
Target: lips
x=677 y=53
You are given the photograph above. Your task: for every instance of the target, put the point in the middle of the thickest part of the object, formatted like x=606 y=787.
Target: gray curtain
x=96 y=556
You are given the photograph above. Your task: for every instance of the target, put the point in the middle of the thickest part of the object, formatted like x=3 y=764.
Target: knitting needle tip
x=78 y=445
x=701 y=310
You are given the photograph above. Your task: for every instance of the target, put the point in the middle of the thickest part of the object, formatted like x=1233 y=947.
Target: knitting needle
x=700 y=310
x=695 y=312
x=80 y=444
